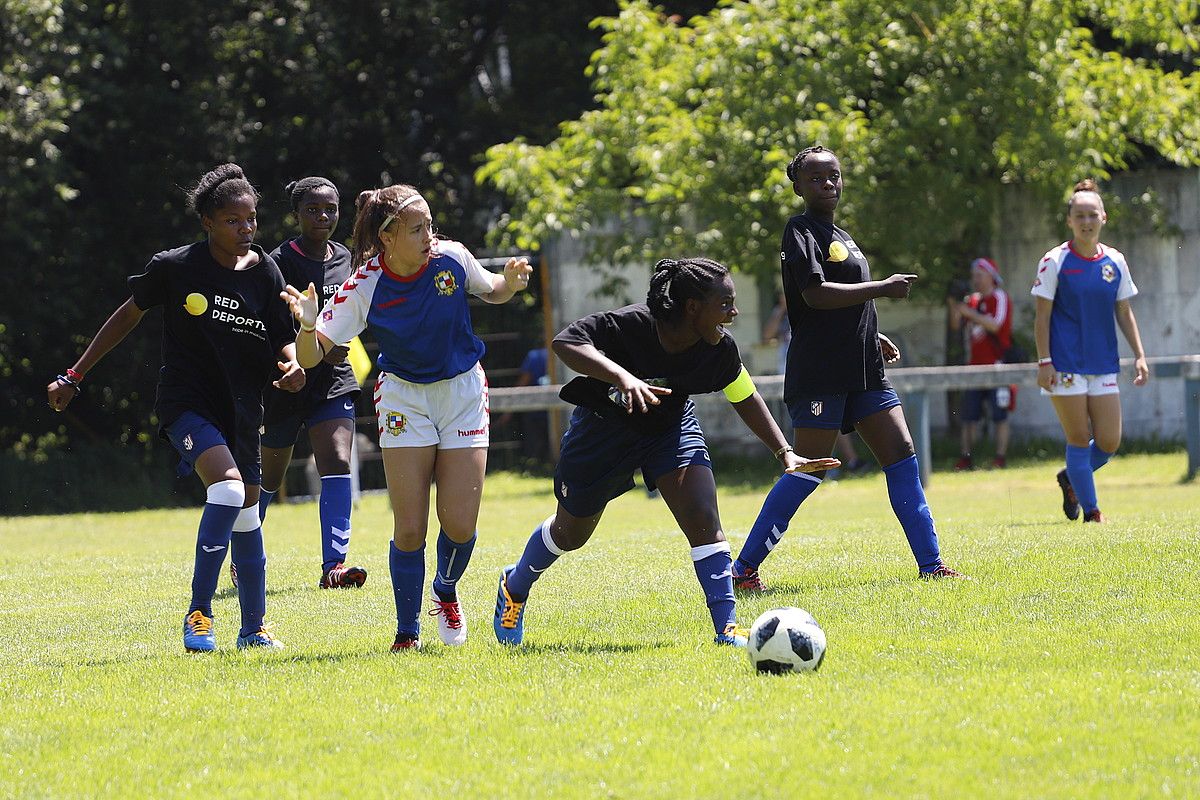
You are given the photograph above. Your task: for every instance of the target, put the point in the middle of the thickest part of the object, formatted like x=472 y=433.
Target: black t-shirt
x=222 y=333
x=629 y=336
x=833 y=351
x=323 y=381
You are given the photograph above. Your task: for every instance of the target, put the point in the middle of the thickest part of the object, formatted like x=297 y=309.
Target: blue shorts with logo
x=282 y=433
x=191 y=434
x=973 y=400
x=840 y=412
x=599 y=456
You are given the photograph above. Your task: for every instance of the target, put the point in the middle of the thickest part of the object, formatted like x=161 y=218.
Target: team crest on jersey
x=1108 y=273
x=395 y=422
x=816 y=407
x=327 y=315
x=838 y=251
x=445 y=283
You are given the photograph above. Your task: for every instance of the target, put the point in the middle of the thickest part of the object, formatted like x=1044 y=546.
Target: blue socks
x=335 y=519
x=224 y=503
x=1079 y=470
x=408 y=578
x=251 y=561
x=1097 y=456
x=264 y=499
x=715 y=573
x=540 y=553
x=452 y=560
x=909 y=504
x=781 y=504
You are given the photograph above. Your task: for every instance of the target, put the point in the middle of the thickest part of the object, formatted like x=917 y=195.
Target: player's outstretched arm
x=758 y=419
x=62 y=390
x=828 y=296
x=515 y=278
x=311 y=344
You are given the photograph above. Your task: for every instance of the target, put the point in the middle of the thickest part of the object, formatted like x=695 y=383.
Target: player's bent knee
x=227 y=493
x=247 y=520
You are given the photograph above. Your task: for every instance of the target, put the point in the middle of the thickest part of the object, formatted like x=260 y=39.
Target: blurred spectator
x=987 y=314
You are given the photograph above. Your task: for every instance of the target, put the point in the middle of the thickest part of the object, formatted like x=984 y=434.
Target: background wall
x=1154 y=219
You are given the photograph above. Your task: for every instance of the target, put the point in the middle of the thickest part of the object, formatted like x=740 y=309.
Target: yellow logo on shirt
x=838 y=251
x=1108 y=273
x=445 y=283
x=196 y=304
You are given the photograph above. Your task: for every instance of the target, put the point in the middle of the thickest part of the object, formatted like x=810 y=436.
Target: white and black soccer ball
x=786 y=640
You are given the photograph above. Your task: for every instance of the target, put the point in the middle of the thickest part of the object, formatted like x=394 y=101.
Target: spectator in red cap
x=987 y=313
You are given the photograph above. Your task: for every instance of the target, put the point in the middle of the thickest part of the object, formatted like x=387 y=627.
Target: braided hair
x=297 y=189
x=793 y=168
x=675 y=281
x=217 y=187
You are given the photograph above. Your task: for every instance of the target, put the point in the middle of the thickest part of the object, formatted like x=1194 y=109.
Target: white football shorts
x=1067 y=384
x=451 y=414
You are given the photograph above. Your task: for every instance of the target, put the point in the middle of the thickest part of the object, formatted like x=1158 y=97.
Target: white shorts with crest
x=1067 y=384
x=451 y=414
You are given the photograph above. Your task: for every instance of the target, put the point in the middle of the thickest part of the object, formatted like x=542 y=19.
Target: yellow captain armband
x=741 y=388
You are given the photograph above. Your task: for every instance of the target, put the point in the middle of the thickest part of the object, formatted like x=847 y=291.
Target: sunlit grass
x=1067 y=668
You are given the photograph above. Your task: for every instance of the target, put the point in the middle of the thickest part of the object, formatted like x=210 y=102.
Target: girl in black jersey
x=225 y=332
x=639 y=364
x=326 y=406
x=834 y=379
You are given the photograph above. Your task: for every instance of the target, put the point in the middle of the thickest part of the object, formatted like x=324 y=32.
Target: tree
x=931 y=106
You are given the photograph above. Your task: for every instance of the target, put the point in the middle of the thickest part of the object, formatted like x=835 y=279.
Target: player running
x=639 y=365
x=410 y=288
x=1082 y=286
x=224 y=333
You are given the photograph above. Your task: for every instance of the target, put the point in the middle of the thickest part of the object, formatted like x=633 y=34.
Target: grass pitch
x=1067 y=668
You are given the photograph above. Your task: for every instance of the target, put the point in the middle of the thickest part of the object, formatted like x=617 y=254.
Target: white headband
x=388 y=220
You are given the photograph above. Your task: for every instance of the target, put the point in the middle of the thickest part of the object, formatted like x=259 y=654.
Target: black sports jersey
x=837 y=350
x=629 y=336
x=324 y=381
x=222 y=332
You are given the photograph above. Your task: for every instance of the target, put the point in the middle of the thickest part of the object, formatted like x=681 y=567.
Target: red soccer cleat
x=747 y=581
x=942 y=571
x=343 y=577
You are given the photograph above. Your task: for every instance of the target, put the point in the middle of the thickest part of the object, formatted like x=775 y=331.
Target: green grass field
x=1067 y=668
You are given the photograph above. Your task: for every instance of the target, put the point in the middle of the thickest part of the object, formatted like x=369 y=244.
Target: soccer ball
x=786 y=640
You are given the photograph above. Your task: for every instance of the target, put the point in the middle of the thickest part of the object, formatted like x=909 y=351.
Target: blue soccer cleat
x=509 y=623
x=260 y=638
x=198 y=633
x=732 y=636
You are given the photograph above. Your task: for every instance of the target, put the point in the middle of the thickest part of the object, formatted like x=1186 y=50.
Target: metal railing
x=916 y=384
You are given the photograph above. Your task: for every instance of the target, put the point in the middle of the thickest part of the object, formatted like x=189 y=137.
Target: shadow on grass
x=823 y=584
x=230 y=593
x=585 y=648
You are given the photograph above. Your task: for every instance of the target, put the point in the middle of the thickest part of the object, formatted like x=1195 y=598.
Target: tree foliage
x=110 y=109
x=932 y=107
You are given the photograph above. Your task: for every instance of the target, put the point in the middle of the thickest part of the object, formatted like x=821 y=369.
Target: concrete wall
x=1154 y=221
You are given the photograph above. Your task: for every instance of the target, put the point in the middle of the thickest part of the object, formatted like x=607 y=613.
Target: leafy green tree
x=932 y=107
